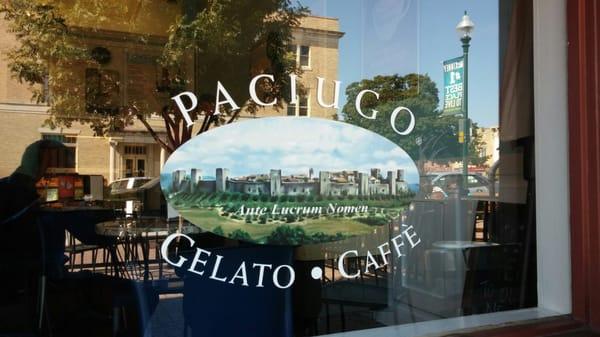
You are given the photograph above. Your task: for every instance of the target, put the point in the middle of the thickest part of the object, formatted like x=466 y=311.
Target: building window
x=291 y=110
x=135 y=149
x=301 y=54
x=303 y=108
x=304 y=56
x=135 y=160
x=299 y=109
x=68 y=140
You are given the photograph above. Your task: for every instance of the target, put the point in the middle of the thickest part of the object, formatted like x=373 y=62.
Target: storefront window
x=155 y=159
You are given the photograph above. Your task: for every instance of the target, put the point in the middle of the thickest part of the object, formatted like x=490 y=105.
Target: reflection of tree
x=219 y=231
x=229 y=41
x=434 y=138
x=239 y=234
x=287 y=235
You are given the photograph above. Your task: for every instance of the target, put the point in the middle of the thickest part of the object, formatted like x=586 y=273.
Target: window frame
x=565 y=30
x=297 y=49
x=296 y=107
x=308 y=57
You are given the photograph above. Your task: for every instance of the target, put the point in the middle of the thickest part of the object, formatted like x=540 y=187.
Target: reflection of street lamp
x=464 y=28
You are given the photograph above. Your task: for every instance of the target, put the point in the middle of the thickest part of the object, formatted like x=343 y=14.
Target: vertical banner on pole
x=453 y=86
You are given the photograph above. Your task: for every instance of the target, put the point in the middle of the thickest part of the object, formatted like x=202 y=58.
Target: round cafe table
x=135 y=233
x=463 y=244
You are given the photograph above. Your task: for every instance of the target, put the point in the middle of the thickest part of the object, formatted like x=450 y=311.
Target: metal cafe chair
x=76 y=248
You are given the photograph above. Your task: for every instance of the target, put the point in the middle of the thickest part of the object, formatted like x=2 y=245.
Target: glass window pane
x=291 y=110
x=108 y=97
x=304 y=56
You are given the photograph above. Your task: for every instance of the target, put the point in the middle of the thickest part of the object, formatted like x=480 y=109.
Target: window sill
x=500 y=324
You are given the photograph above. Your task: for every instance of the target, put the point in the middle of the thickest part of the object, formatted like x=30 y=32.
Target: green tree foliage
x=374 y=221
x=288 y=235
x=322 y=237
x=45 y=44
x=212 y=40
x=239 y=234
x=433 y=138
x=219 y=231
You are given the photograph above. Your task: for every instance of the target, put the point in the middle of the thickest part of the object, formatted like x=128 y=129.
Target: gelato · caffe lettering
x=206 y=264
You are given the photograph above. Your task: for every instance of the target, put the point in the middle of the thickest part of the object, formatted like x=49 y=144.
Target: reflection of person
x=17 y=191
x=72 y=298
x=19 y=236
x=453 y=187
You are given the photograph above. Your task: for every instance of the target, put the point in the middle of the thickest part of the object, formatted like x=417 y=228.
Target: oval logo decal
x=289 y=181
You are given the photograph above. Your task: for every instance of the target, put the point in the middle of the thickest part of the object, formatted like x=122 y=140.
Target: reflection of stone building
x=133 y=42
x=127 y=152
x=344 y=183
x=490 y=137
x=315 y=46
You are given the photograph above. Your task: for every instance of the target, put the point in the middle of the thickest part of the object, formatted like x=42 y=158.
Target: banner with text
x=453 y=85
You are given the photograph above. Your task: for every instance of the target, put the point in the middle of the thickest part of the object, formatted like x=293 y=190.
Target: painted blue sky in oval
x=292 y=144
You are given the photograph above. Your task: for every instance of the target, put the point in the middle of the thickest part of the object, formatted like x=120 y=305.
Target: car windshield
x=119 y=185
x=427 y=179
x=139 y=182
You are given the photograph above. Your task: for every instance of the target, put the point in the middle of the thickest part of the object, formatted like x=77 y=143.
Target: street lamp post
x=464 y=28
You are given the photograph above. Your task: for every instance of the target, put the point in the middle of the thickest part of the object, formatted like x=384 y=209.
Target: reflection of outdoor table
x=463 y=244
x=132 y=232
x=481 y=198
x=471 y=280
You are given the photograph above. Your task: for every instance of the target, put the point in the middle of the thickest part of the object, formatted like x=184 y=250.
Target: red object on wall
x=66 y=188
x=584 y=147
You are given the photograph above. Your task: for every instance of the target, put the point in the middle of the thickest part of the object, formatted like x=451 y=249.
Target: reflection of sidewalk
x=356 y=294
x=167 y=320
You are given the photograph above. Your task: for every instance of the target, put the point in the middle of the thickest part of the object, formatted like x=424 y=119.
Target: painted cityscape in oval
x=289 y=181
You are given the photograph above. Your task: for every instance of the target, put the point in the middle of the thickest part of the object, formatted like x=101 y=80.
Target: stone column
x=112 y=153
x=163 y=155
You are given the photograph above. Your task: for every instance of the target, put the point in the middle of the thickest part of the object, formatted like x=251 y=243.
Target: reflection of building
x=274 y=184
x=490 y=137
x=134 y=76
x=315 y=46
x=490 y=148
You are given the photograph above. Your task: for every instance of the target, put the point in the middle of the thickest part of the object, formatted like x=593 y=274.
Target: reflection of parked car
x=140 y=195
x=127 y=186
x=449 y=183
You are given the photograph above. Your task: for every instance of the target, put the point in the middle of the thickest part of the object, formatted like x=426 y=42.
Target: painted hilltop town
x=294 y=209
x=344 y=183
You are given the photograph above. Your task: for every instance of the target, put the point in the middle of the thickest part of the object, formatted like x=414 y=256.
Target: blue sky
x=291 y=144
x=385 y=37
